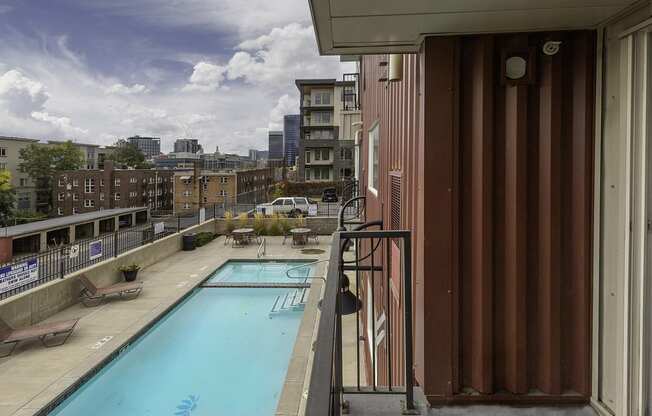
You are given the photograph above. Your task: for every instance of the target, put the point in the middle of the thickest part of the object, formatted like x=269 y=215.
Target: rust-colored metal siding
x=496 y=183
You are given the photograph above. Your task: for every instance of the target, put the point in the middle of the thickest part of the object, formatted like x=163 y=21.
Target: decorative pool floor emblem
x=187 y=406
x=312 y=251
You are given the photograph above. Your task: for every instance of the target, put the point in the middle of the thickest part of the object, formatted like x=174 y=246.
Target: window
x=23 y=182
x=187 y=193
x=75 y=197
x=186 y=206
x=3 y=166
x=223 y=193
x=205 y=199
x=3 y=151
x=322 y=135
x=75 y=182
x=374 y=158
x=224 y=179
x=59 y=211
x=133 y=180
x=321 y=117
x=116 y=181
x=61 y=196
x=322 y=98
x=278 y=202
x=89 y=185
x=308 y=154
x=75 y=210
x=133 y=194
x=116 y=196
x=346 y=153
x=89 y=203
x=61 y=182
x=101 y=196
x=101 y=182
x=322 y=154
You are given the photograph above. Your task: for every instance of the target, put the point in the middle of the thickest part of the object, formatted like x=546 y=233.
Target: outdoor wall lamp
x=517 y=67
x=395 y=67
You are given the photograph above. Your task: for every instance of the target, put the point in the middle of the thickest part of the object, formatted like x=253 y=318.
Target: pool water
x=219 y=352
x=261 y=272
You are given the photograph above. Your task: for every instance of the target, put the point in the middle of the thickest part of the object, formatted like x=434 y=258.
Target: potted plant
x=130 y=271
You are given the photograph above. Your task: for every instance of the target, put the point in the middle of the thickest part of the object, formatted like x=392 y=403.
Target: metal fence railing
x=58 y=262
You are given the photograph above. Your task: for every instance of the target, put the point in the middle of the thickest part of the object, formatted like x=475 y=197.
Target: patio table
x=300 y=235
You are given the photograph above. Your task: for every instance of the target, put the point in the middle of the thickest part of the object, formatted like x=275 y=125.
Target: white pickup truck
x=290 y=206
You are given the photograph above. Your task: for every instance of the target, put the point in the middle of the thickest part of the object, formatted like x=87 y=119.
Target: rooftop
x=38 y=226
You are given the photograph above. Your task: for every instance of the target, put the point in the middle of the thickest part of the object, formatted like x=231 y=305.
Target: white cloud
x=20 y=95
x=205 y=77
x=122 y=89
x=285 y=105
x=62 y=123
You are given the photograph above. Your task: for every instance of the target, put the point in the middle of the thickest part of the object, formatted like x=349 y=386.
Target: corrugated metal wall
x=497 y=183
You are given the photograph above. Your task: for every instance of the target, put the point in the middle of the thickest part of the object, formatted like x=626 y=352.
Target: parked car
x=329 y=195
x=291 y=206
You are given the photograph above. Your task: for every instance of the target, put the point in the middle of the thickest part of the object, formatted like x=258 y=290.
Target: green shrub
x=204 y=238
x=259 y=223
x=243 y=220
x=284 y=224
x=228 y=217
x=275 y=226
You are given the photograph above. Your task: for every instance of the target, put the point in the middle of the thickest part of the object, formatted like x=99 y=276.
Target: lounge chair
x=228 y=236
x=91 y=295
x=44 y=332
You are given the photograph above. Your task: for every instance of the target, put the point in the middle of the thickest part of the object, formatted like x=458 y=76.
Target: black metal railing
x=353 y=212
x=371 y=270
x=56 y=263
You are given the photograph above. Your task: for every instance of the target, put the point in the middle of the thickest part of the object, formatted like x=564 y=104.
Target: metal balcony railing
x=390 y=369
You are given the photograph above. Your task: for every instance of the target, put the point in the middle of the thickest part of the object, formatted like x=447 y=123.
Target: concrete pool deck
x=34 y=376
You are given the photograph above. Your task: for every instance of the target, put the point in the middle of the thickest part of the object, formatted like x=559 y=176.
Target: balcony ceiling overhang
x=349 y=27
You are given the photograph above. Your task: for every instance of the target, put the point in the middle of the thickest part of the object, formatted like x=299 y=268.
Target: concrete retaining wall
x=322 y=225
x=40 y=303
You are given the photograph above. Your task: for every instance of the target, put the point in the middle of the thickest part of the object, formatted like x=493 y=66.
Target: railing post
x=62 y=272
x=178 y=223
x=407 y=316
x=115 y=244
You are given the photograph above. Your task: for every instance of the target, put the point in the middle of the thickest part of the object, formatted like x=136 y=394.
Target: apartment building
x=150 y=146
x=81 y=191
x=518 y=155
x=291 y=134
x=329 y=113
x=253 y=185
x=194 y=189
x=21 y=182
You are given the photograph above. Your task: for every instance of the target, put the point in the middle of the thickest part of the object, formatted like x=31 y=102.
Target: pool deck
x=34 y=376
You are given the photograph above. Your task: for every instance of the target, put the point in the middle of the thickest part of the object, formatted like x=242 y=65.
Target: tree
x=127 y=154
x=42 y=163
x=7 y=197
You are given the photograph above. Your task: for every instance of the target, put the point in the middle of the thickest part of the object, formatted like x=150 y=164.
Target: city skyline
x=212 y=72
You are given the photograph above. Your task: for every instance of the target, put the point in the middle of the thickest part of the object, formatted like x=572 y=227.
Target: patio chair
x=239 y=240
x=227 y=237
x=312 y=235
x=286 y=236
x=44 y=332
x=91 y=295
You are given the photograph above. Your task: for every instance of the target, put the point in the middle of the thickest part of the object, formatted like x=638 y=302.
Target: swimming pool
x=218 y=352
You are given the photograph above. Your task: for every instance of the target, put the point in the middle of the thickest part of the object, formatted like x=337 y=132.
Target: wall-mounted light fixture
x=518 y=67
x=395 y=67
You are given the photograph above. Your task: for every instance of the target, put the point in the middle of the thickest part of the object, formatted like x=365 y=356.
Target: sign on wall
x=95 y=250
x=74 y=251
x=18 y=275
x=159 y=227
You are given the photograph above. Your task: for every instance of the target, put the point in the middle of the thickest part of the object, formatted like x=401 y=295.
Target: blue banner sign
x=95 y=250
x=17 y=275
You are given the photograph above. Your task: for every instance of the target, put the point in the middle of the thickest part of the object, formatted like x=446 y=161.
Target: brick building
x=197 y=188
x=75 y=192
x=253 y=185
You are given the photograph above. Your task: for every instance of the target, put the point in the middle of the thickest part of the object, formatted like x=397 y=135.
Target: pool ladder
x=291 y=301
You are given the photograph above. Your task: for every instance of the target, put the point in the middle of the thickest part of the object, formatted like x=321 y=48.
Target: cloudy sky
x=94 y=71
